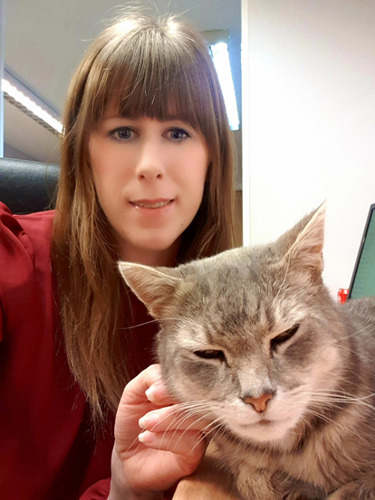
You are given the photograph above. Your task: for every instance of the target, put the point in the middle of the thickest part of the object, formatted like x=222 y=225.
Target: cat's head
x=249 y=336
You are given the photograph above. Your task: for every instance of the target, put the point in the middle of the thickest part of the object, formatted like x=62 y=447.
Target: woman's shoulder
x=33 y=220
x=25 y=270
x=25 y=242
x=25 y=230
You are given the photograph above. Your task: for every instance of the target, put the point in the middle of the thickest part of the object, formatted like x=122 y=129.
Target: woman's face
x=149 y=176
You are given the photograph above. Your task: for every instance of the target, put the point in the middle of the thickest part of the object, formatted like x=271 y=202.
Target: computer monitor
x=363 y=280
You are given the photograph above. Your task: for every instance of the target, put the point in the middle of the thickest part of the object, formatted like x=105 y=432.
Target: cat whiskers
x=139 y=325
x=317 y=403
x=354 y=334
x=348 y=348
x=199 y=408
x=321 y=400
x=176 y=410
x=342 y=397
x=339 y=394
x=154 y=321
x=185 y=411
x=326 y=418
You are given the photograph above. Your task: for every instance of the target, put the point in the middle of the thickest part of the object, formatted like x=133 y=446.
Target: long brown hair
x=147 y=66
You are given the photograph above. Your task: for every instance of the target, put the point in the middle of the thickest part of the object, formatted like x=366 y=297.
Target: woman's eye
x=210 y=354
x=178 y=134
x=122 y=134
x=283 y=337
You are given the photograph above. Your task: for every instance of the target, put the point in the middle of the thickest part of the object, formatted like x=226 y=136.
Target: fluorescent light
x=29 y=106
x=220 y=57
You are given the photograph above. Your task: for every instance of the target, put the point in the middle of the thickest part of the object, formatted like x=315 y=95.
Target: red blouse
x=47 y=447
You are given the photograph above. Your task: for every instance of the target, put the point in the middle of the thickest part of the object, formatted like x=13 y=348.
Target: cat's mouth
x=265 y=421
x=262 y=430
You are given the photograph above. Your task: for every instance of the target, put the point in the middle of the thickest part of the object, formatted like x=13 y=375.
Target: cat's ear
x=155 y=287
x=306 y=252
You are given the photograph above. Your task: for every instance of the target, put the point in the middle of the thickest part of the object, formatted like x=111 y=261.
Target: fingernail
x=142 y=422
x=148 y=421
x=156 y=392
x=145 y=437
x=150 y=393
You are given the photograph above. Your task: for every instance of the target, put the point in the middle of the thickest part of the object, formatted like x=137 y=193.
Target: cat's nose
x=259 y=404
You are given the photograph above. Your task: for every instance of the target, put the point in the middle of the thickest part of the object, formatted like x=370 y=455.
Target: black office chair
x=28 y=186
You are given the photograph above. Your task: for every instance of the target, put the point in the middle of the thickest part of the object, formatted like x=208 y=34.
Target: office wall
x=309 y=121
x=11 y=152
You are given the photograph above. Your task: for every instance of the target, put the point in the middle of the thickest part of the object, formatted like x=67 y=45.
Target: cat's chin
x=265 y=431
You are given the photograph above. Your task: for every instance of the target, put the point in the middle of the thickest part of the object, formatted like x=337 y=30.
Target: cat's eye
x=210 y=354
x=283 y=337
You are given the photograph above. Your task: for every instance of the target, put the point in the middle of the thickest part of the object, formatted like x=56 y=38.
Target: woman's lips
x=151 y=203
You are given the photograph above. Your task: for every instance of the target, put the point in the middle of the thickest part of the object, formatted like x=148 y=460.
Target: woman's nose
x=150 y=163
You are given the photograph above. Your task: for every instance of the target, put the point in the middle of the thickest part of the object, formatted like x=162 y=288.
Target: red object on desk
x=342 y=295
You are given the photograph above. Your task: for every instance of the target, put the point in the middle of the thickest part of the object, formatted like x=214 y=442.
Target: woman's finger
x=135 y=390
x=188 y=443
x=173 y=417
x=147 y=386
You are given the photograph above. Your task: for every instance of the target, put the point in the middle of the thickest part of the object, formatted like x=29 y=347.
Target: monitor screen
x=363 y=279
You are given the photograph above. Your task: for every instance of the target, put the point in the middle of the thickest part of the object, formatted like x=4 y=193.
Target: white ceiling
x=45 y=40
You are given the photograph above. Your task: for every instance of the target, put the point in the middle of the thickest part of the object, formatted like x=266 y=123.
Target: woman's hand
x=152 y=451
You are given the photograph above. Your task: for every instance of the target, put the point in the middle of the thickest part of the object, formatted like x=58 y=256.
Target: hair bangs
x=155 y=79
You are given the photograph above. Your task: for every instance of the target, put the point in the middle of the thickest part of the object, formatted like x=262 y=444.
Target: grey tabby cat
x=252 y=339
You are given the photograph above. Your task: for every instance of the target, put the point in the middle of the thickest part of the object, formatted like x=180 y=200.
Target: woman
x=146 y=175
